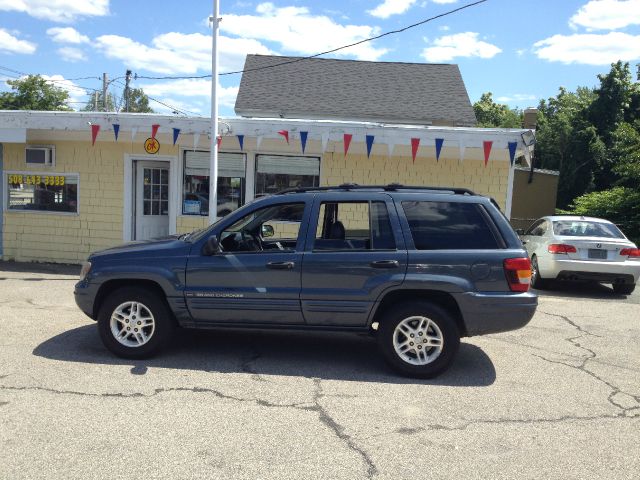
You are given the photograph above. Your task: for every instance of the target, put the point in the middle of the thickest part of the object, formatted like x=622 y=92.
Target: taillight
x=630 y=252
x=518 y=272
x=561 y=248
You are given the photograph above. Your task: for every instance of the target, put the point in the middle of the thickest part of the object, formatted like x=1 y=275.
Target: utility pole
x=127 y=79
x=105 y=83
x=95 y=101
x=213 y=161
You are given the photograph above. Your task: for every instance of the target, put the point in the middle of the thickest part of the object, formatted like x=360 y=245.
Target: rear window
x=582 y=228
x=448 y=226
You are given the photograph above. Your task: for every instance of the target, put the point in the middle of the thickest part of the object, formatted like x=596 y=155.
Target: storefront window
x=42 y=192
x=277 y=172
x=231 y=177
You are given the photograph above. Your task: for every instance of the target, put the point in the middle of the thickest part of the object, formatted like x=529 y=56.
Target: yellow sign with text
x=54 y=180
x=151 y=145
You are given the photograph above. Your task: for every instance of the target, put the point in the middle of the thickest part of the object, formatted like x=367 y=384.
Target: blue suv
x=418 y=267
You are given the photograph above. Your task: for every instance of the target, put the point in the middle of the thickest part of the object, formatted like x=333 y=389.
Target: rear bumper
x=485 y=313
x=609 y=272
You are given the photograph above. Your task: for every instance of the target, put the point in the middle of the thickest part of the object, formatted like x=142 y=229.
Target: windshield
x=583 y=228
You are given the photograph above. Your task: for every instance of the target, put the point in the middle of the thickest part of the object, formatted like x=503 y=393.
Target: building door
x=151 y=200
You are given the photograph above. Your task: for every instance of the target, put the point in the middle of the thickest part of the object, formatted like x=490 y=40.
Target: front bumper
x=85 y=294
x=608 y=272
x=487 y=312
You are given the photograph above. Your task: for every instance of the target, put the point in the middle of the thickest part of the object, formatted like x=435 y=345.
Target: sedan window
x=582 y=228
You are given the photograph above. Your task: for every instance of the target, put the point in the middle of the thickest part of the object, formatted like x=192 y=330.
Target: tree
x=138 y=101
x=613 y=99
x=491 y=114
x=34 y=93
x=92 y=103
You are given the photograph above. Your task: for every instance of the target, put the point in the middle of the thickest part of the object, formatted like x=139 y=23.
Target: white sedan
x=581 y=248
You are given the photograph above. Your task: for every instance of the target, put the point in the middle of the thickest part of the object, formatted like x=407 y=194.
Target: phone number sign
x=57 y=180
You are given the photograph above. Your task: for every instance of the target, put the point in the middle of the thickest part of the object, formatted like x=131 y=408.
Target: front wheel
x=418 y=339
x=624 y=288
x=135 y=323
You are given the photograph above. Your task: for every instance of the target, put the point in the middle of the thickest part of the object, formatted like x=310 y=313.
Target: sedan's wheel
x=536 y=280
x=135 y=322
x=624 y=288
x=418 y=339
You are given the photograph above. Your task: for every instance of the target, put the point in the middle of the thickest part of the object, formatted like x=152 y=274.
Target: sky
x=520 y=50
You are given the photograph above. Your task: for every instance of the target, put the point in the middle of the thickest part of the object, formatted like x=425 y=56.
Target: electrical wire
x=173 y=108
x=300 y=59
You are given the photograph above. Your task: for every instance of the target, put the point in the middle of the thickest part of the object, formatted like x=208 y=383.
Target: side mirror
x=520 y=231
x=211 y=247
x=266 y=231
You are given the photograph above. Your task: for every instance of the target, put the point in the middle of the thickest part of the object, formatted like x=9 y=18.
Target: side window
x=533 y=229
x=354 y=226
x=448 y=226
x=273 y=228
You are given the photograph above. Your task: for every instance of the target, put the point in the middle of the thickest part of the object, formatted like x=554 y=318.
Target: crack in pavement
x=246 y=366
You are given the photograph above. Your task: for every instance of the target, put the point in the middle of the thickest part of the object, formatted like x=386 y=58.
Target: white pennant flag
x=390 y=146
x=258 y=141
x=134 y=130
x=325 y=142
x=196 y=141
x=462 y=148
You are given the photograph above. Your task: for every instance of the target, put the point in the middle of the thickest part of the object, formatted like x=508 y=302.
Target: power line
x=300 y=59
x=175 y=109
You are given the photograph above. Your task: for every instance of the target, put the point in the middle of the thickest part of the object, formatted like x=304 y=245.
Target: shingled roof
x=330 y=89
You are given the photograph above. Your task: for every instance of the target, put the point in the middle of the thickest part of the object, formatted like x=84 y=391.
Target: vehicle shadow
x=334 y=356
x=591 y=290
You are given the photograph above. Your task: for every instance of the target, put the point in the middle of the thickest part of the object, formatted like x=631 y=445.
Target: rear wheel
x=135 y=322
x=536 y=280
x=418 y=339
x=624 y=288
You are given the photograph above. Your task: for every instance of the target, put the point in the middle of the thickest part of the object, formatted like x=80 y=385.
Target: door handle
x=281 y=265
x=385 y=264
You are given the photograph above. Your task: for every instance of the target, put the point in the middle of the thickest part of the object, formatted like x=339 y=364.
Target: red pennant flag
x=415 y=143
x=219 y=141
x=347 y=142
x=94 y=133
x=285 y=134
x=154 y=130
x=487 y=144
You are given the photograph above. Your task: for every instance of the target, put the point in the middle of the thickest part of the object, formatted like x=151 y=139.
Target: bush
x=619 y=205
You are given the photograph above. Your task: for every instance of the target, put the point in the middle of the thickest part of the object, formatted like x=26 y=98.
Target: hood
x=155 y=247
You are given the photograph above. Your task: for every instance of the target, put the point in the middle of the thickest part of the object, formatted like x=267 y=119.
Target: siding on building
x=533 y=200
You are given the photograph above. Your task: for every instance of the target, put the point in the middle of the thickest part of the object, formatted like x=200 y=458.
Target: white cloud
x=465 y=44
x=191 y=88
x=174 y=53
x=11 y=44
x=297 y=31
x=589 y=49
x=391 y=7
x=71 y=54
x=607 y=15
x=67 y=35
x=444 y=28
x=518 y=97
x=58 y=10
x=444 y=1
x=77 y=95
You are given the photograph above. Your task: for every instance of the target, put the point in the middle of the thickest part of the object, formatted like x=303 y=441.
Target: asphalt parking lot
x=557 y=399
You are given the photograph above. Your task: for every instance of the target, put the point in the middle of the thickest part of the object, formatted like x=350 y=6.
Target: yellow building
x=64 y=196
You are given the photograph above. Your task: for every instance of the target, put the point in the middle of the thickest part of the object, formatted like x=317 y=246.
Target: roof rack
x=392 y=187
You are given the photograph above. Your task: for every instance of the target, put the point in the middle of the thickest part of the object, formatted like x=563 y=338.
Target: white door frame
x=127 y=216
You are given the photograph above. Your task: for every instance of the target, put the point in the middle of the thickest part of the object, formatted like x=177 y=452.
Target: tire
x=537 y=281
x=149 y=339
x=390 y=335
x=624 y=288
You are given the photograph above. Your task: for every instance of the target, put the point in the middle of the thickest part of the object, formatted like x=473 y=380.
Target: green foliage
x=34 y=93
x=138 y=101
x=619 y=205
x=92 y=103
x=491 y=114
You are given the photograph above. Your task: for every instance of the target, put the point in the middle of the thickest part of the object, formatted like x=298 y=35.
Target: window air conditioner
x=40 y=156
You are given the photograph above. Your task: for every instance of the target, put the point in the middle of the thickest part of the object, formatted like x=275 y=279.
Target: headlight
x=84 y=271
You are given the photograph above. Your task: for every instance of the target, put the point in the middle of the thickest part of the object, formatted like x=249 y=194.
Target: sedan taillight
x=518 y=273
x=630 y=252
x=561 y=248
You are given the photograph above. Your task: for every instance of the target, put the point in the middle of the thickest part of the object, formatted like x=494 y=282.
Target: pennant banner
x=116 y=130
x=134 y=130
x=196 y=140
x=512 y=151
x=439 y=142
x=303 y=140
x=176 y=134
x=219 y=141
x=241 y=141
x=154 y=130
x=462 y=149
x=259 y=141
x=285 y=134
x=94 y=133
x=390 y=147
x=325 y=141
x=487 y=144
x=347 y=142
x=370 y=139
x=415 y=144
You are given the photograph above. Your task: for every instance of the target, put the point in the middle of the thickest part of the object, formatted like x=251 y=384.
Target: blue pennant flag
x=116 y=130
x=512 y=151
x=176 y=133
x=303 y=140
x=439 y=142
x=370 y=139
x=241 y=141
